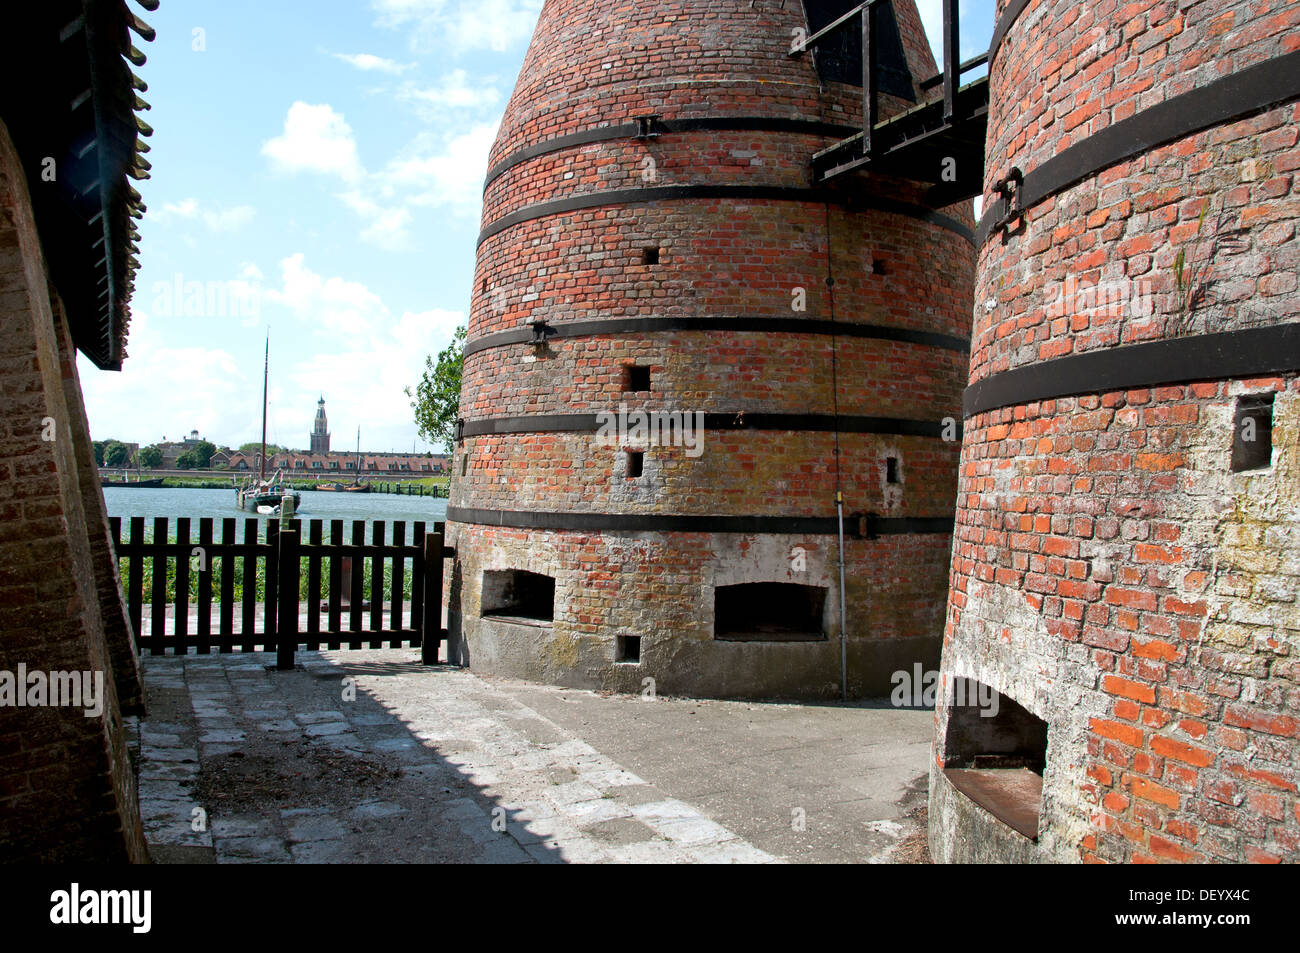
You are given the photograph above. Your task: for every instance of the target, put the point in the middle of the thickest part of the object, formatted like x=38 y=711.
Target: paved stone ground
x=368 y=756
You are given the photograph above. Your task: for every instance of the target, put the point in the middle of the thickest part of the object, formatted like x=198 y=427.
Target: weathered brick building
x=653 y=243
x=68 y=146
x=1127 y=559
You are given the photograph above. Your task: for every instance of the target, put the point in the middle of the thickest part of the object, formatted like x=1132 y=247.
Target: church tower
x=320 y=434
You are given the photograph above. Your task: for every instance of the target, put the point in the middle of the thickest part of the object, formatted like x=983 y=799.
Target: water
x=220 y=504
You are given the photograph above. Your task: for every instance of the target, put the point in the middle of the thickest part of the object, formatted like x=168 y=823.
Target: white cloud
x=186 y=208
x=315 y=139
x=386 y=225
x=368 y=62
x=205 y=389
x=456 y=25
x=375 y=401
x=334 y=305
x=452 y=176
x=216 y=219
x=362 y=371
x=453 y=92
x=432 y=172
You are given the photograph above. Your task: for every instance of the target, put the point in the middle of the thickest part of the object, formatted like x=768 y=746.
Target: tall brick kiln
x=652 y=239
x=1127 y=562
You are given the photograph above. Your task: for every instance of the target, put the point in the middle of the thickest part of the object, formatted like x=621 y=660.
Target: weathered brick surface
x=1110 y=572
x=108 y=587
x=590 y=66
x=724 y=373
x=659 y=587
x=737 y=474
x=68 y=792
x=596 y=64
x=725 y=257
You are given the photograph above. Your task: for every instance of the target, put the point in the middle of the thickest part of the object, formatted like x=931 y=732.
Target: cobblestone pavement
x=369 y=756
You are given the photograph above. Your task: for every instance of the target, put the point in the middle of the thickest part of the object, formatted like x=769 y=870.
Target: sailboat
x=262 y=495
x=356 y=486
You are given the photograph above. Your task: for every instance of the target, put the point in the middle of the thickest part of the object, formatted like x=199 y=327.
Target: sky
x=317 y=175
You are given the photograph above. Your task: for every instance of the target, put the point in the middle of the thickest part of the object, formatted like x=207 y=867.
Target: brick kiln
x=654 y=243
x=1125 y=572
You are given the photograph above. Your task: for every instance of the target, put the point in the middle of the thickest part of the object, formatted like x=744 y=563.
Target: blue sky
x=317 y=171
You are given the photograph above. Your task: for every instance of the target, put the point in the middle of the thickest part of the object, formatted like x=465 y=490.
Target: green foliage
x=151 y=458
x=256 y=447
x=116 y=454
x=437 y=397
x=98 y=446
x=1190 y=286
x=187 y=461
x=240 y=579
x=203 y=452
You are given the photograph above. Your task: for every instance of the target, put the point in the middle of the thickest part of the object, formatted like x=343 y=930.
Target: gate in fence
x=279 y=591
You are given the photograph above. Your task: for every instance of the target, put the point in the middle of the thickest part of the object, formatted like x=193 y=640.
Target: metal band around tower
x=1251 y=352
x=632 y=130
x=1233 y=97
x=793 y=423
x=738 y=324
x=740 y=193
x=663 y=523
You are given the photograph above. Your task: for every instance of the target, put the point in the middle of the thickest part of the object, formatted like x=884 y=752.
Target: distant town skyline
x=305 y=448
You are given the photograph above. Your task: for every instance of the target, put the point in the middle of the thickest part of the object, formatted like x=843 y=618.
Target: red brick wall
x=1110 y=572
x=108 y=587
x=744 y=370
x=66 y=787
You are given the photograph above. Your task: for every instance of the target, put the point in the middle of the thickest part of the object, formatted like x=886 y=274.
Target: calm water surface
x=220 y=504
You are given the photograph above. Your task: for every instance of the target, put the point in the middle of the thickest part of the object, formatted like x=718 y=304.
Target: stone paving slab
x=240 y=763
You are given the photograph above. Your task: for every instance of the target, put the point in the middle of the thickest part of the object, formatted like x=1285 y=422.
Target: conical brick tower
x=653 y=243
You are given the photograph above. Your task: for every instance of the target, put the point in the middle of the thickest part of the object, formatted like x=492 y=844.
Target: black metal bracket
x=648 y=126
x=542 y=331
x=1010 y=188
x=460 y=429
x=867 y=523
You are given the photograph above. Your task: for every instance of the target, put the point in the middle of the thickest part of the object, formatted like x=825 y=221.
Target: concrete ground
x=368 y=756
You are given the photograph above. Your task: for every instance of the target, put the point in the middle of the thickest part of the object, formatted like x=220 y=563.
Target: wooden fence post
x=432 y=634
x=287 y=609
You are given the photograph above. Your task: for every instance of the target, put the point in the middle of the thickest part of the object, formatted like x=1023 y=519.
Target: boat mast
x=357 y=478
x=266 y=373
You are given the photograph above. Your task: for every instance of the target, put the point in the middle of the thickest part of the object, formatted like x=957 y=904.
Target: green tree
x=117 y=454
x=203 y=451
x=187 y=461
x=256 y=447
x=99 y=446
x=437 y=396
x=151 y=458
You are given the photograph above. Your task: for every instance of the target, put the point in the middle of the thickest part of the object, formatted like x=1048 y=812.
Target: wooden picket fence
x=280 y=620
